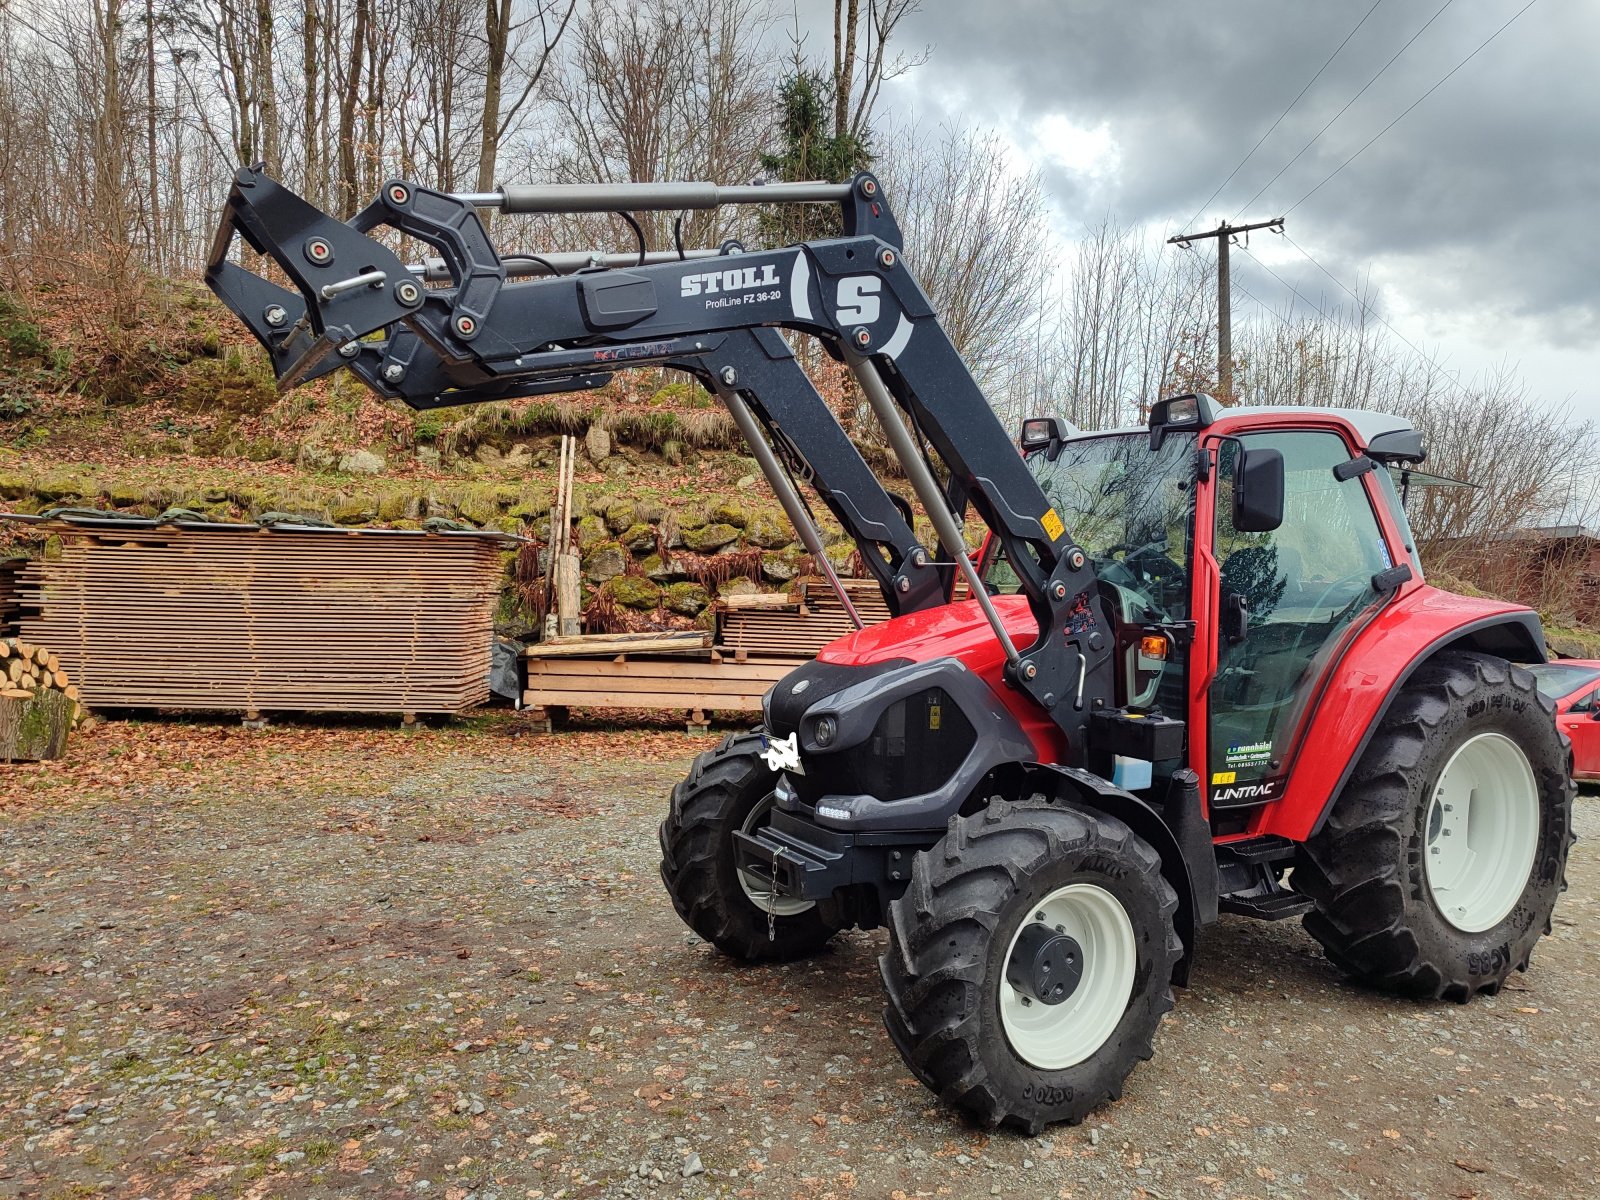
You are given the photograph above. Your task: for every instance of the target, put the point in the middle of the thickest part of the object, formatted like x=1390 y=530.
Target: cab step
x=1267 y=848
x=1270 y=906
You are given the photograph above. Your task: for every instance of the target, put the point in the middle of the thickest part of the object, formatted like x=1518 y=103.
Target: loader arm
x=488 y=337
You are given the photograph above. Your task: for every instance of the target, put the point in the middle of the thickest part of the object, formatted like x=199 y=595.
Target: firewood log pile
x=38 y=703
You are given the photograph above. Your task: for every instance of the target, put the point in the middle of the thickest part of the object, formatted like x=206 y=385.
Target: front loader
x=1197 y=670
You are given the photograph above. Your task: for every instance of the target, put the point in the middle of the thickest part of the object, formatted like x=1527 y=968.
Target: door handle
x=1235 y=618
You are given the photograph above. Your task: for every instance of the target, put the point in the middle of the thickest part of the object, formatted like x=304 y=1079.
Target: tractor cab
x=1270 y=529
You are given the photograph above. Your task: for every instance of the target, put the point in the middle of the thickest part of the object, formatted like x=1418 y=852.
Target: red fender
x=1358 y=690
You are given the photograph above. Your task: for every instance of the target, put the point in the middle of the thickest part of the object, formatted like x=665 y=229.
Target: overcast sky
x=1477 y=216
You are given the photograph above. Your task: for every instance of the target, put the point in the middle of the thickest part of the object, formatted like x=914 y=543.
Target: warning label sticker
x=1052 y=524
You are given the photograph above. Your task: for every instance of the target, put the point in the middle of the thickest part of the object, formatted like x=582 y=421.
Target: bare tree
x=976 y=234
x=861 y=62
x=519 y=47
x=666 y=89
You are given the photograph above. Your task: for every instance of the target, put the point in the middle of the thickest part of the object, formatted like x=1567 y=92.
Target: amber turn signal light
x=1154 y=646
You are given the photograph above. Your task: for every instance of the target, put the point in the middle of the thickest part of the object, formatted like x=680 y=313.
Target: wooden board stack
x=38 y=702
x=231 y=618
x=805 y=627
x=760 y=639
x=10 y=606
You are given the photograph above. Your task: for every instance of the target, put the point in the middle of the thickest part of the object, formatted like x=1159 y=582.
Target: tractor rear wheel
x=1440 y=864
x=1030 y=962
x=727 y=789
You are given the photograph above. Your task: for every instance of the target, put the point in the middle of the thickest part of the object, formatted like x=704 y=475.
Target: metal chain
x=772 y=897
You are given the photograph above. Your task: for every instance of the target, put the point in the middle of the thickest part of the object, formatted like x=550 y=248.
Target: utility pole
x=1224 y=233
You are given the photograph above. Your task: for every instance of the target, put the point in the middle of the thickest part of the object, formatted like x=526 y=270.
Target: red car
x=1574 y=684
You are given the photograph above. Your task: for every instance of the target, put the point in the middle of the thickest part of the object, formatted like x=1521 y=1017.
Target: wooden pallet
x=692 y=685
x=760 y=640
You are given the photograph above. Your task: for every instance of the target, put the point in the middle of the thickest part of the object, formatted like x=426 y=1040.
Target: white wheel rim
x=1482 y=832
x=758 y=889
x=1054 y=1036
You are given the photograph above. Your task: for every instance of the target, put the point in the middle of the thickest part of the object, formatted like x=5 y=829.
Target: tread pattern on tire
x=694 y=839
x=941 y=931
x=1360 y=867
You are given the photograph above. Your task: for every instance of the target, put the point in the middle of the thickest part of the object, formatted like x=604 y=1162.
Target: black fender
x=1514 y=636
x=1090 y=790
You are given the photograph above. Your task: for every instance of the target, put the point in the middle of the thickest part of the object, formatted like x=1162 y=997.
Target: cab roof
x=1366 y=423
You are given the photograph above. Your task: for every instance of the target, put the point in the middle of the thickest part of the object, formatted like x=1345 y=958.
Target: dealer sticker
x=1253 y=754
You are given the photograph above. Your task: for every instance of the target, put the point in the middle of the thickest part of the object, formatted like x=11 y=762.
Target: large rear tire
x=1070 y=894
x=1439 y=866
x=727 y=789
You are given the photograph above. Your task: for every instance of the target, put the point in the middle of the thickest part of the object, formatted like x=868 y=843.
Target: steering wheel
x=1331 y=589
x=1149 y=557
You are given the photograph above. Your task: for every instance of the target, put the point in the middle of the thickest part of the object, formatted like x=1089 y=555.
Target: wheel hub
x=1058 y=1017
x=1481 y=832
x=760 y=891
x=1046 y=964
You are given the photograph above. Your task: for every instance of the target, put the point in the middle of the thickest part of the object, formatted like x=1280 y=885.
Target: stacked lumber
x=38 y=702
x=10 y=605
x=678 y=682
x=802 y=629
x=292 y=619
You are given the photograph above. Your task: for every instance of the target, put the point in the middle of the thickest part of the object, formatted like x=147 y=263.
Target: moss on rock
x=605 y=561
x=728 y=513
x=639 y=538
x=690 y=599
x=634 y=591
x=591 y=532
x=707 y=538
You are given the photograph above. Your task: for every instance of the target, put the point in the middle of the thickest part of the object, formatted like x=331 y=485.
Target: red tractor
x=1199 y=670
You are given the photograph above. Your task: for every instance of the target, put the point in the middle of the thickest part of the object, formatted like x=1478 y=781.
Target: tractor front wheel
x=1030 y=962
x=1441 y=861
x=731 y=788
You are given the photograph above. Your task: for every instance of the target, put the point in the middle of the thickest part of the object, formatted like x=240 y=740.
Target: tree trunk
x=348 y=186
x=496 y=33
x=266 y=88
x=844 y=65
x=150 y=134
x=311 y=183
x=35 y=728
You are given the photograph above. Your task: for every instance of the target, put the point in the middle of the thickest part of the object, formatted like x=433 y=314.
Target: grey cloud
x=1488 y=190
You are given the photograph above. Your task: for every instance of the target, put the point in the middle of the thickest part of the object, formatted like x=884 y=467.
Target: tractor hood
x=951 y=630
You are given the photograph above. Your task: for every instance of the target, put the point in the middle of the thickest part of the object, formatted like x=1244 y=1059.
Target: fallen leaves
x=125 y=760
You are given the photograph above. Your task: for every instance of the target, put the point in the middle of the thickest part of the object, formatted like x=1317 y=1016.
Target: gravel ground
x=352 y=962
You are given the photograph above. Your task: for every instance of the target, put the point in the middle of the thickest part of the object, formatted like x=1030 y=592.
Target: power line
x=1347 y=104
x=1282 y=115
x=1394 y=371
x=1365 y=307
x=1414 y=103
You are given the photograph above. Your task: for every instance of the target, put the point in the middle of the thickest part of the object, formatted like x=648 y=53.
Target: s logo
x=858 y=300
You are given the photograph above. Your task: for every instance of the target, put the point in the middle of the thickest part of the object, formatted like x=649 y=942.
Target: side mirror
x=1257 y=490
x=1595 y=715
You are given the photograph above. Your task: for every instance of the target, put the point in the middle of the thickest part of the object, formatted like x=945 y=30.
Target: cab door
x=1287 y=603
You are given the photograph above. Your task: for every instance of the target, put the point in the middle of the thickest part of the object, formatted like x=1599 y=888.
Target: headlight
x=824 y=730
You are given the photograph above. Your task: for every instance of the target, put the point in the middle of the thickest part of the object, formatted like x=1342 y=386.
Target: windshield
x=1557 y=680
x=1130 y=508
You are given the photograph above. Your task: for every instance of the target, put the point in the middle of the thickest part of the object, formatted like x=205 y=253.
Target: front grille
x=919 y=742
